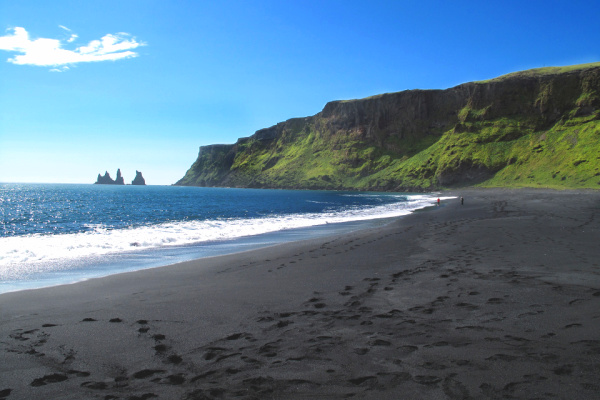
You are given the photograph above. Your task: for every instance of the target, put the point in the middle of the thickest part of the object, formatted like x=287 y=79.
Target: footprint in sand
x=572 y=326
x=381 y=342
x=363 y=379
x=347 y=291
x=145 y=396
x=174 y=359
x=146 y=373
x=316 y=302
x=160 y=348
x=407 y=349
x=434 y=366
x=46 y=379
x=237 y=336
x=467 y=306
x=175 y=379
x=95 y=385
x=144 y=328
x=564 y=370
x=21 y=336
x=283 y=324
x=455 y=390
x=427 y=379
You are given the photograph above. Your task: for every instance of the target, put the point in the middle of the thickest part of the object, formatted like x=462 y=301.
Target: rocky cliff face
x=532 y=128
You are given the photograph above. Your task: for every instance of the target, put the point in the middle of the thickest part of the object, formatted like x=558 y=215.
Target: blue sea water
x=62 y=233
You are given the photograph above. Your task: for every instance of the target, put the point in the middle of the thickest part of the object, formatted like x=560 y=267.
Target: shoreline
x=216 y=248
x=498 y=297
x=255 y=247
x=76 y=256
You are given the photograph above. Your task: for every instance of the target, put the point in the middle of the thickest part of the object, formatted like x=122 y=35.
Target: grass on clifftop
x=538 y=72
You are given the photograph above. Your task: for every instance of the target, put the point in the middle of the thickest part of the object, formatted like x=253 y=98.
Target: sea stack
x=119 y=180
x=139 y=179
x=107 y=180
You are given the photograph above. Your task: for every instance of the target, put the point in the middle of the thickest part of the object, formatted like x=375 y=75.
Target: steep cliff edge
x=532 y=128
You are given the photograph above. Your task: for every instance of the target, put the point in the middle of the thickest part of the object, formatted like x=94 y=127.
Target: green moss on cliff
x=212 y=165
x=564 y=156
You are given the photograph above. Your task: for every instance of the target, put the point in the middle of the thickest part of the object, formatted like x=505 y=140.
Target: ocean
x=53 y=234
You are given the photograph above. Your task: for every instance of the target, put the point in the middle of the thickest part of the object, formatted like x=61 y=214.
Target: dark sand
x=498 y=298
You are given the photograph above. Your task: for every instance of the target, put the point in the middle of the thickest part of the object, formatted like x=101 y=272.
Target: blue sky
x=89 y=86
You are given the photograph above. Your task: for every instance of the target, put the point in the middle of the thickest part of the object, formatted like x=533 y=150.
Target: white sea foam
x=26 y=255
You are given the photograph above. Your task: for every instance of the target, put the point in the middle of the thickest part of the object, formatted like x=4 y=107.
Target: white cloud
x=73 y=36
x=50 y=52
x=64 y=68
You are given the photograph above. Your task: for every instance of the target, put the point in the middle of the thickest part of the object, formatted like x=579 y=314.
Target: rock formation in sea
x=107 y=180
x=535 y=128
x=119 y=180
x=139 y=179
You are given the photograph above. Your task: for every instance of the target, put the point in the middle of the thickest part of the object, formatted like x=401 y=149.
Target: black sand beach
x=498 y=298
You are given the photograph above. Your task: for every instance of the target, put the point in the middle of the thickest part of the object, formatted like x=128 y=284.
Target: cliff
x=536 y=128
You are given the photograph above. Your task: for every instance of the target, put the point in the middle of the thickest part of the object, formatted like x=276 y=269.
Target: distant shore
x=499 y=297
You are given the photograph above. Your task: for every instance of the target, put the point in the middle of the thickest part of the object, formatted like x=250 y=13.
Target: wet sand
x=497 y=298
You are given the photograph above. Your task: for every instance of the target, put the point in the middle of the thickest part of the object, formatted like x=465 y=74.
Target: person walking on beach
x=462 y=200
x=438 y=201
